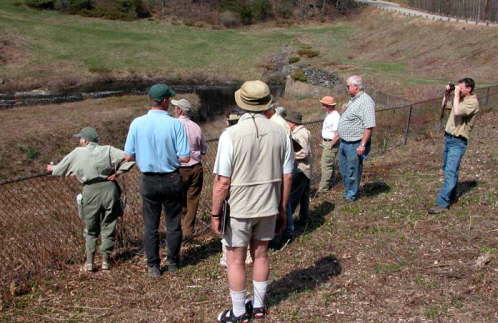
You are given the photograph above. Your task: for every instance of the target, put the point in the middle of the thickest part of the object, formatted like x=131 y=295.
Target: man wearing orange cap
x=330 y=138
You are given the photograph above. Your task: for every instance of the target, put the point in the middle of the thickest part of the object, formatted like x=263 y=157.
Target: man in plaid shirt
x=355 y=130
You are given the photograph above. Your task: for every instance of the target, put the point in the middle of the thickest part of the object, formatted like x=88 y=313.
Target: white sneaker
x=223 y=262
x=88 y=267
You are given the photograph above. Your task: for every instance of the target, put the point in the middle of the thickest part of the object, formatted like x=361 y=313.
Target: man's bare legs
x=260 y=273
x=236 y=257
x=237 y=274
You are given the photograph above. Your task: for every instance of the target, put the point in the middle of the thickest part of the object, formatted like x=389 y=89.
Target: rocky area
x=316 y=76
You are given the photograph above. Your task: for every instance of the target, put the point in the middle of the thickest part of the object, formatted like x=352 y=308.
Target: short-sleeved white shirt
x=330 y=125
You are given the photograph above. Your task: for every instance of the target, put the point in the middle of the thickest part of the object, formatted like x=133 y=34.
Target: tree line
x=230 y=13
x=475 y=10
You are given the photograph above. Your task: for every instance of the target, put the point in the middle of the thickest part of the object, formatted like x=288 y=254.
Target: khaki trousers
x=192 y=178
x=100 y=210
x=327 y=163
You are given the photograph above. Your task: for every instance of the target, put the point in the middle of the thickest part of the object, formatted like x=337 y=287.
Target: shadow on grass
x=128 y=250
x=303 y=280
x=317 y=219
x=198 y=253
x=192 y=256
x=465 y=187
x=375 y=188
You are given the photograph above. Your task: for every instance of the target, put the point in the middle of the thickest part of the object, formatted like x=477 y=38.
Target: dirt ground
x=381 y=258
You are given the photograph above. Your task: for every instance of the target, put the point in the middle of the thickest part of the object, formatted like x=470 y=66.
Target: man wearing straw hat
x=99 y=207
x=330 y=139
x=253 y=167
x=191 y=172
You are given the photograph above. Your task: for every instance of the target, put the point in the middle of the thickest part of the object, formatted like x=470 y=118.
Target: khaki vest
x=258 y=157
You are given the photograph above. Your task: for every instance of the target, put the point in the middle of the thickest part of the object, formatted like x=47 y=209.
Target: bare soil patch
x=11 y=50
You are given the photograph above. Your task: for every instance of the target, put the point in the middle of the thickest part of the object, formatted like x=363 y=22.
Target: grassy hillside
x=48 y=49
x=54 y=49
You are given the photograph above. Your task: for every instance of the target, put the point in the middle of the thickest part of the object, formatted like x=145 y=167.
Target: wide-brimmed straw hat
x=253 y=96
x=328 y=100
x=294 y=116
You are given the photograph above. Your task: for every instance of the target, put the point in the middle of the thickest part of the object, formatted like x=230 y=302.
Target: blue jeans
x=300 y=195
x=351 y=167
x=454 y=149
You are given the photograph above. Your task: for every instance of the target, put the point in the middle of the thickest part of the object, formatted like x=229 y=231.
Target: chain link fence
x=40 y=230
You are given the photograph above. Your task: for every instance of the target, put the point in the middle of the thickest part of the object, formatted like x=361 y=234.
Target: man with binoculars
x=464 y=107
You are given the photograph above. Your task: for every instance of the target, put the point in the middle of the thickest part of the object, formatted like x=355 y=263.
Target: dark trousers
x=162 y=191
x=192 y=178
x=300 y=195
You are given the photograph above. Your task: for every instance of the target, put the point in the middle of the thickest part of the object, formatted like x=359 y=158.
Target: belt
x=453 y=136
x=350 y=142
x=191 y=166
x=96 y=181
x=159 y=174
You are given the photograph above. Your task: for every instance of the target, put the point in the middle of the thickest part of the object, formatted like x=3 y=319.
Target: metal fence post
x=487 y=96
x=408 y=120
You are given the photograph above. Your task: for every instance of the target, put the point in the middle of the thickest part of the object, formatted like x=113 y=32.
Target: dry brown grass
x=46 y=131
x=382 y=258
x=436 y=50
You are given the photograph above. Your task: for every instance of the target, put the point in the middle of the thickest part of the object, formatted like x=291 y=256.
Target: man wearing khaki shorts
x=253 y=167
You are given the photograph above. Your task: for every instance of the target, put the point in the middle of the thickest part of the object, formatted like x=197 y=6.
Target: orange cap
x=328 y=100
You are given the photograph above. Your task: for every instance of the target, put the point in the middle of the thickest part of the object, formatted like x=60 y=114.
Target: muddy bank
x=215 y=98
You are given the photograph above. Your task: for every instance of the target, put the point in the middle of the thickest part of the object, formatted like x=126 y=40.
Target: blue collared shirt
x=157 y=140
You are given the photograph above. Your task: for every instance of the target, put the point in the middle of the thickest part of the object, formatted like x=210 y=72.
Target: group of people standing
x=262 y=172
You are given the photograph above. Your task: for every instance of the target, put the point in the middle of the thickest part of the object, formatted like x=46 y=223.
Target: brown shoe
x=437 y=210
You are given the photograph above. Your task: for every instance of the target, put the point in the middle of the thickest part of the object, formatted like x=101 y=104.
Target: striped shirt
x=358 y=116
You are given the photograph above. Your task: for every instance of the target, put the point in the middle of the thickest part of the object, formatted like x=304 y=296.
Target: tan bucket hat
x=253 y=96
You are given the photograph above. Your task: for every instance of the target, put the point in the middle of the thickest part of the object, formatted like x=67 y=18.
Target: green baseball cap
x=159 y=92
x=88 y=133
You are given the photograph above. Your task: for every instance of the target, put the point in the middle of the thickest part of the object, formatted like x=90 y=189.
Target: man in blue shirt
x=159 y=143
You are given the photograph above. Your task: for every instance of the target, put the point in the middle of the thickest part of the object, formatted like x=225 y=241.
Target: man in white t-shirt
x=330 y=138
x=277 y=115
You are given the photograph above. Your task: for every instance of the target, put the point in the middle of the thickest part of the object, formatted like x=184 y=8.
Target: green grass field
x=47 y=49
x=85 y=45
